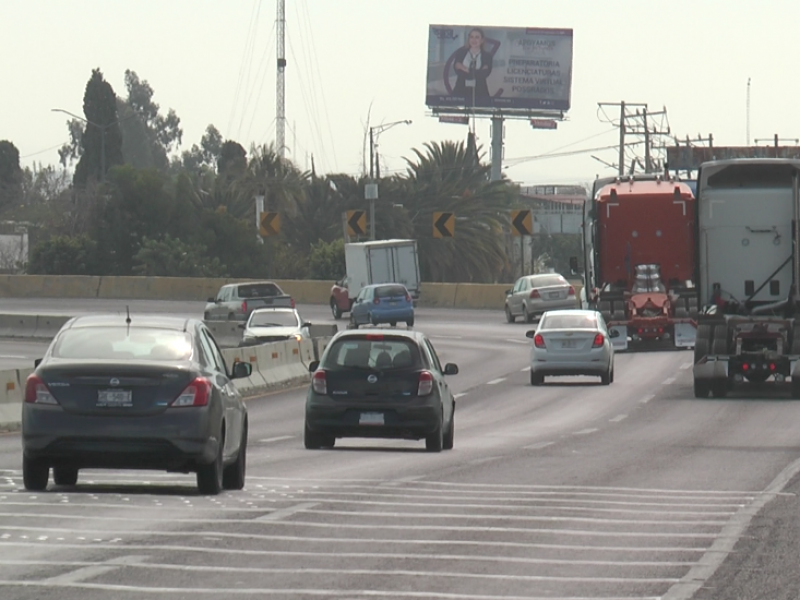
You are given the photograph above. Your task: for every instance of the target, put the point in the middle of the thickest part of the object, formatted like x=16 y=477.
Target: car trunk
x=553 y=292
x=568 y=342
x=369 y=384
x=114 y=389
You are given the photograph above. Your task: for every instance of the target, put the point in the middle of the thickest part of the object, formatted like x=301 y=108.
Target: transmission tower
x=280 y=87
x=635 y=120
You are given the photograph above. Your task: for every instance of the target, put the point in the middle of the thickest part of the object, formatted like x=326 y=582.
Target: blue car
x=382 y=303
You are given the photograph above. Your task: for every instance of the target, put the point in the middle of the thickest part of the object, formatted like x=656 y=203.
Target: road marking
x=447 y=337
x=686 y=366
x=585 y=431
x=618 y=418
x=13 y=356
x=538 y=445
x=647 y=399
x=516 y=341
x=525 y=369
x=668 y=381
x=93 y=571
x=496 y=381
x=459 y=395
x=723 y=545
x=477 y=461
x=282 y=513
x=276 y=439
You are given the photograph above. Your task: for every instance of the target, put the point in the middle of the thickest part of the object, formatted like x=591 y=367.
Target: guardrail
x=432 y=295
x=277 y=365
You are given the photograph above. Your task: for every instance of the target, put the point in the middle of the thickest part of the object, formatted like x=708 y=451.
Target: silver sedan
x=534 y=294
x=572 y=342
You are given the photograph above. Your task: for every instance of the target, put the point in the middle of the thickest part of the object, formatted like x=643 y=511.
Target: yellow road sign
x=356 y=222
x=270 y=224
x=444 y=224
x=521 y=222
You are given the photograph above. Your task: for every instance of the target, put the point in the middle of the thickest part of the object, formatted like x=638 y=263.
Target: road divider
x=432 y=295
x=276 y=366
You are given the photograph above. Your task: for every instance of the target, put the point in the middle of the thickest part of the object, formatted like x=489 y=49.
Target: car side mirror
x=508 y=292
x=241 y=370
x=306 y=324
x=451 y=369
x=530 y=333
x=313 y=366
x=614 y=333
x=211 y=300
x=37 y=362
x=241 y=325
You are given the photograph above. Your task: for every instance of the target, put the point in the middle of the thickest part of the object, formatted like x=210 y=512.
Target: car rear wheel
x=65 y=475
x=435 y=441
x=234 y=475
x=526 y=315
x=447 y=442
x=605 y=378
x=315 y=441
x=209 y=477
x=373 y=320
x=509 y=317
x=335 y=310
x=353 y=324
x=410 y=323
x=537 y=378
x=35 y=474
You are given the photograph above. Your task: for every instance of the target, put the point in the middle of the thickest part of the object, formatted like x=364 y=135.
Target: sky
x=355 y=63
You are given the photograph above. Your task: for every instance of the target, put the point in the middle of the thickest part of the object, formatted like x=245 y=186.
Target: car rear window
x=364 y=353
x=568 y=322
x=123 y=342
x=390 y=291
x=548 y=280
x=259 y=290
x=273 y=318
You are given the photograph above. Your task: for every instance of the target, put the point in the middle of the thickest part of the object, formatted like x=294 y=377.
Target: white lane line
x=95 y=570
x=283 y=592
x=496 y=381
x=459 y=395
x=282 y=513
x=516 y=341
x=647 y=399
x=525 y=369
x=685 y=366
x=585 y=431
x=477 y=461
x=447 y=337
x=538 y=445
x=618 y=418
x=278 y=438
x=668 y=381
x=723 y=545
x=13 y=356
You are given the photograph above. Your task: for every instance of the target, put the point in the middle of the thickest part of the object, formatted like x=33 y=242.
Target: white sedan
x=572 y=342
x=267 y=325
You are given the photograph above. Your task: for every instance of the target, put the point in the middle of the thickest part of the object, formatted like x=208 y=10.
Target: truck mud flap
x=620 y=343
x=712 y=367
x=685 y=335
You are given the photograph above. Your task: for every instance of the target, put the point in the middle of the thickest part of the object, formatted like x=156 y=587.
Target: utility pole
x=621 y=162
x=636 y=124
x=280 y=84
x=748 y=111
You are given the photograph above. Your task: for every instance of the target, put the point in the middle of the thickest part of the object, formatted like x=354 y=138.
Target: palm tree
x=449 y=178
x=277 y=179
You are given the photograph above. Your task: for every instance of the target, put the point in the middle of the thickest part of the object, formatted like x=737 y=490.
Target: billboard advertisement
x=689 y=158
x=499 y=67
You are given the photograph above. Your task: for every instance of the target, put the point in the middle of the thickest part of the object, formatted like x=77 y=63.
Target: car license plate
x=115 y=398
x=554 y=294
x=393 y=302
x=569 y=344
x=371 y=419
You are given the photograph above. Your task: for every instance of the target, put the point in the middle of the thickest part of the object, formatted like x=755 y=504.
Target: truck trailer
x=748 y=265
x=639 y=260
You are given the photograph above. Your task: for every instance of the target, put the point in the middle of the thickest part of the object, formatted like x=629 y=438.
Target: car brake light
x=535 y=294
x=772 y=366
x=745 y=366
x=319 y=382
x=293 y=304
x=571 y=291
x=375 y=336
x=425 y=383
x=37 y=392
x=408 y=297
x=538 y=341
x=376 y=301
x=244 y=306
x=598 y=340
x=196 y=393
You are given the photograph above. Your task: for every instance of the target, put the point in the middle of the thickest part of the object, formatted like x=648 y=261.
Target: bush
x=65 y=255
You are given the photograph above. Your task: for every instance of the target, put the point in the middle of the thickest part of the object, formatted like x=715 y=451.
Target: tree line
x=135 y=205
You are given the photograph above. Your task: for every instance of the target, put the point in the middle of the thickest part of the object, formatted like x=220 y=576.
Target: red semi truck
x=639 y=259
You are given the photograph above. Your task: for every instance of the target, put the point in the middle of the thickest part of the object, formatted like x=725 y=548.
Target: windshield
x=390 y=291
x=568 y=322
x=123 y=342
x=363 y=353
x=278 y=318
x=547 y=281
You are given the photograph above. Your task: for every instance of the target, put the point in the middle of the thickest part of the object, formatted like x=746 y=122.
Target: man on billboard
x=472 y=64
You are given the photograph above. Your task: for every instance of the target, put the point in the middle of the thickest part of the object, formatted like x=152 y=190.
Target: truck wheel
x=795 y=389
x=795 y=347
x=701 y=388
x=700 y=346
x=604 y=308
x=335 y=310
x=719 y=388
x=720 y=344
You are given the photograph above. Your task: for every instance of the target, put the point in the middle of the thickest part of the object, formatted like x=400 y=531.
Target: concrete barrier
x=226 y=333
x=11 y=392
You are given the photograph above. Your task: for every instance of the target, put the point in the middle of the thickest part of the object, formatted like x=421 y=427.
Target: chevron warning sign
x=521 y=222
x=444 y=224
x=356 y=222
x=270 y=224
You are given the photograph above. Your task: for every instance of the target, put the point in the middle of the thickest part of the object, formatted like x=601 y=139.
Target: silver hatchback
x=532 y=295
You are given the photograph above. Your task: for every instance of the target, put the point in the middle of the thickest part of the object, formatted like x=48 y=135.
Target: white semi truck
x=748 y=270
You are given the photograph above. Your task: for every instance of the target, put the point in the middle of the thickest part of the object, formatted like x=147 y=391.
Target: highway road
x=572 y=490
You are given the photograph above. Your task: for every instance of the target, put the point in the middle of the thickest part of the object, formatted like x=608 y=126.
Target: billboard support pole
x=497 y=147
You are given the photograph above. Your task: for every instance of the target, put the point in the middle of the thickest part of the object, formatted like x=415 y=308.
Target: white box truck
x=382 y=261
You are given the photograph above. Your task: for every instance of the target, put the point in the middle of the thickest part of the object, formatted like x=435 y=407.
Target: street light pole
x=371 y=189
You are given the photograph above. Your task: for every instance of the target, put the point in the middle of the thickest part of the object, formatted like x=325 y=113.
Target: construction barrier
x=432 y=295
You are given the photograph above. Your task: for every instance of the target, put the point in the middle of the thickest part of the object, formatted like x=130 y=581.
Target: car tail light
x=571 y=291
x=538 y=340
x=598 y=340
x=244 y=306
x=772 y=366
x=745 y=367
x=319 y=382
x=376 y=301
x=36 y=392
x=375 y=336
x=425 y=383
x=535 y=294
x=293 y=304
x=408 y=297
x=196 y=393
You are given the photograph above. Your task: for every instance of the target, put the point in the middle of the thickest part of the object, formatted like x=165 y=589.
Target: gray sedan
x=572 y=342
x=534 y=294
x=147 y=392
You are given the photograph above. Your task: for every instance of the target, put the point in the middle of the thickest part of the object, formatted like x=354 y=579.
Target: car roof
x=572 y=311
x=138 y=321
x=409 y=334
x=274 y=309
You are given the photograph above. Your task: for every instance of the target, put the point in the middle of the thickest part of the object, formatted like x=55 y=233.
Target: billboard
x=499 y=67
x=689 y=158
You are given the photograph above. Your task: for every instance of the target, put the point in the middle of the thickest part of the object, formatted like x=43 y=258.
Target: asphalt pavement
x=568 y=490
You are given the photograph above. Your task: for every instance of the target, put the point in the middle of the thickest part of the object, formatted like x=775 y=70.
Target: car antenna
x=128 y=318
